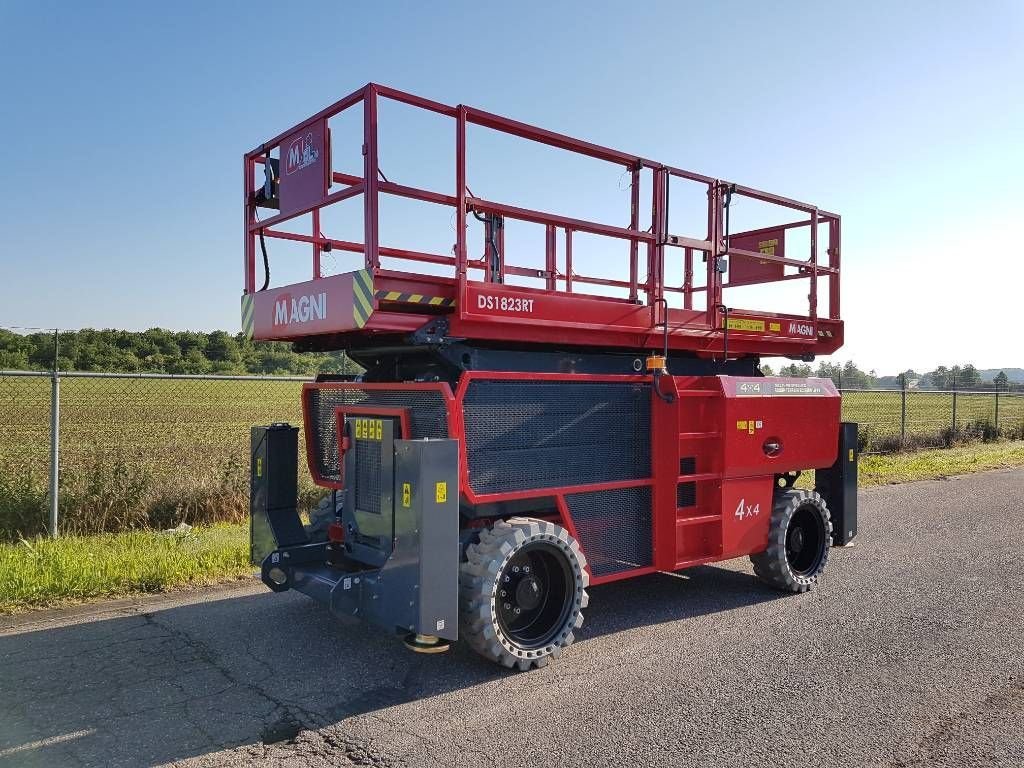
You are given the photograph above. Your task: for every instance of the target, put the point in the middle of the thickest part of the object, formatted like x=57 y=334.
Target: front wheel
x=799 y=539
x=523 y=591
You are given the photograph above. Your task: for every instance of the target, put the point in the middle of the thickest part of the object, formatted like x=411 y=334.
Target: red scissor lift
x=598 y=437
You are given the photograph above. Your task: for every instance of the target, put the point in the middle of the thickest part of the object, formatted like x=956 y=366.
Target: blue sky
x=125 y=124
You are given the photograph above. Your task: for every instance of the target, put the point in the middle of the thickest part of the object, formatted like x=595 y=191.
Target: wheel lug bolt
x=508 y=606
x=515 y=569
x=504 y=593
x=508 y=579
x=526 y=569
x=519 y=610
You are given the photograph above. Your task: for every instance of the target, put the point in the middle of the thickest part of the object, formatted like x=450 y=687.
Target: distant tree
x=827 y=370
x=855 y=378
x=795 y=370
x=941 y=378
x=965 y=377
x=969 y=377
x=220 y=347
x=767 y=370
x=1001 y=380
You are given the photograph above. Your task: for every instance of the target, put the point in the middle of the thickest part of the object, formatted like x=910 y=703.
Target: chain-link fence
x=148 y=450
x=133 y=450
x=892 y=420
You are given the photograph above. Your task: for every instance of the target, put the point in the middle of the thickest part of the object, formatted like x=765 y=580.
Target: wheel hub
x=528 y=593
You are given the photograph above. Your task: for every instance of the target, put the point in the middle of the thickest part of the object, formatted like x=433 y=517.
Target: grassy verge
x=44 y=572
x=941 y=462
x=51 y=571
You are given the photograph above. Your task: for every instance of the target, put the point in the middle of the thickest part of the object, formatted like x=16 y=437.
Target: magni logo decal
x=801 y=329
x=301 y=154
x=288 y=310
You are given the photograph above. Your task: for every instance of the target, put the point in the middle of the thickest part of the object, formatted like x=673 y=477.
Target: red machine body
x=711 y=479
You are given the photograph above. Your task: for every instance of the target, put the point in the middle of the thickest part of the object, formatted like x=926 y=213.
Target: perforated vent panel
x=614 y=528
x=368 y=466
x=427 y=417
x=522 y=435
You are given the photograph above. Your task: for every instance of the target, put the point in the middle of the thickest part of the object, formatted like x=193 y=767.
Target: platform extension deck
x=291 y=175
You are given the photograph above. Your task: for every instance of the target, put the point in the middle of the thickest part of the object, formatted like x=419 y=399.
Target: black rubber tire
x=482 y=574
x=321 y=516
x=773 y=566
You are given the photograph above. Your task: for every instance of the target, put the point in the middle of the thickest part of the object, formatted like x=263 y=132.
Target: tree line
x=162 y=351
x=848 y=376
x=193 y=352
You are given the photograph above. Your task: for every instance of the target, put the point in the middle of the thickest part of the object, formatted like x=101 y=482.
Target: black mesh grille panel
x=427 y=417
x=614 y=528
x=368 y=466
x=522 y=435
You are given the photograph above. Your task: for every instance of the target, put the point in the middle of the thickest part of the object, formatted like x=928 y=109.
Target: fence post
x=55 y=436
x=997 y=410
x=902 y=409
x=954 y=406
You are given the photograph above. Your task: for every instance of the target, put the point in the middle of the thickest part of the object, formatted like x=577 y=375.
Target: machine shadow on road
x=189 y=680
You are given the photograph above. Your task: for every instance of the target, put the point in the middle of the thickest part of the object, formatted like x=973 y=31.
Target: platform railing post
x=812 y=296
x=316 y=243
x=370 y=181
x=834 y=259
x=550 y=258
x=250 y=241
x=713 y=291
x=460 y=197
x=688 y=278
x=634 y=224
x=568 y=260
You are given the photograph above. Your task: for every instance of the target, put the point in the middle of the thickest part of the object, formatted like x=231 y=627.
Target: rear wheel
x=523 y=590
x=799 y=539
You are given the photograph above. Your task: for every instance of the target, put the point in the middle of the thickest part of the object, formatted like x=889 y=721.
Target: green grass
x=44 y=572
x=939 y=462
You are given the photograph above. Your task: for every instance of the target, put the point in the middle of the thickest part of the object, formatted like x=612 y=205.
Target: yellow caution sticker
x=406 y=495
x=775 y=327
x=851 y=454
x=745 y=324
x=742 y=424
x=441 y=493
x=259 y=466
x=369 y=429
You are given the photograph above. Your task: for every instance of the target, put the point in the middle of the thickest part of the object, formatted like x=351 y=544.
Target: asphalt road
x=908 y=654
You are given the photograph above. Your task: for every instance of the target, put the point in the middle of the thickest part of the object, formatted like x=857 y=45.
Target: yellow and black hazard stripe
x=247 y=321
x=362 y=297
x=414 y=298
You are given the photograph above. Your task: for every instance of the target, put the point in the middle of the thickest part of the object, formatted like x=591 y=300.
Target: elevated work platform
x=292 y=175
